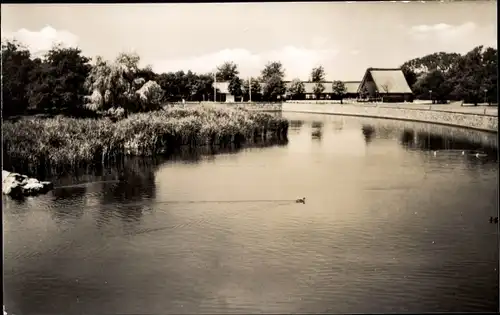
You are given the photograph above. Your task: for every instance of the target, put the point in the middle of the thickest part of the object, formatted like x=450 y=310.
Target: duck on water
x=303 y=200
x=472 y=153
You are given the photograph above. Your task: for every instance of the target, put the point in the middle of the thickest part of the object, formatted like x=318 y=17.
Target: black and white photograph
x=250 y=157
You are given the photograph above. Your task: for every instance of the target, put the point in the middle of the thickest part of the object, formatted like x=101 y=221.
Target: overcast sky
x=345 y=38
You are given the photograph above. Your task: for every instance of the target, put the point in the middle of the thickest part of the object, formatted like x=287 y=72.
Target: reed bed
x=51 y=142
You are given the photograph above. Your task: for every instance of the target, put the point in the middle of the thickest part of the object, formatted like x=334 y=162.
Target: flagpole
x=250 y=89
x=215 y=85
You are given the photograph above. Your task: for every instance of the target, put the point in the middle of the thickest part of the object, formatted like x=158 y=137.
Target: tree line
x=66 y=81
x=441 y=76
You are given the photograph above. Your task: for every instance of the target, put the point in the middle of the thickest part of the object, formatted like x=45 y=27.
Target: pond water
x=388 y=226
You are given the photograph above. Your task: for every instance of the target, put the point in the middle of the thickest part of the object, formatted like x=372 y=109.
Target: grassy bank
x=61 y=141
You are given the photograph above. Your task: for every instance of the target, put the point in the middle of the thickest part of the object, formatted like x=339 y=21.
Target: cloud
x=442 y=31
x=297 y=61
x=39 y=42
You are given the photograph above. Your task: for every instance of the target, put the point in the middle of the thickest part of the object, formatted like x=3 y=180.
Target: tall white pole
x=250 y=89
x=215 y=85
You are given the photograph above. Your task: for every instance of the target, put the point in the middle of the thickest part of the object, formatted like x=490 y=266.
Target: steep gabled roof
x=309 y=86
x=352 y=86
x=388 y=80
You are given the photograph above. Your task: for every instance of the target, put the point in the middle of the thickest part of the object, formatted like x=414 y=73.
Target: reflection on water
x=368 y=133
x=396 y=219
x=317 y=130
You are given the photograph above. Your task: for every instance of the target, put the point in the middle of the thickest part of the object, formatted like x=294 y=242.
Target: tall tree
x=235 y=86
x=297 y=89
x=318 y=74
x=167 y=81
x=417 y=67
x=116 y=84
x=318 y=89
x=107 y=85
x=436 y=82
x=468 y=77
x=272 y=78
x=339 y=90
x=203 y=87
x=147 y=73
x=16 y=68
x=129 y=64
x=490 y=66
x=272 y=69
x=59 y=81
x=227 y=71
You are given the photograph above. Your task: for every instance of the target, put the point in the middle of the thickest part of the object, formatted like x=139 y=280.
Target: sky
x=343 y=37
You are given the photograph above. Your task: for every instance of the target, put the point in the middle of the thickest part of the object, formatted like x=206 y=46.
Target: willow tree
x=115 y=84
x=107 y=85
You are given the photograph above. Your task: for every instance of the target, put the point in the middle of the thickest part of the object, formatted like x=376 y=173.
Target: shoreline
x=62 y=142
x=480 y=122
x=473 y=118
x=395 y=127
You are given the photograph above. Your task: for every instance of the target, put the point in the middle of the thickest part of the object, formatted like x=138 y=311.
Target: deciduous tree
x=318 y=74
x=272 y=79
x=16 y=68
x=57 y=82
x=468 y=77
x=235 y=86
x=339 y=90
x=227 y=71
x=318 y=89
x=297 y=89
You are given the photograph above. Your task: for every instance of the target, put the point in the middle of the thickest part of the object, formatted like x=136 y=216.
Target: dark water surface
x=388 y=226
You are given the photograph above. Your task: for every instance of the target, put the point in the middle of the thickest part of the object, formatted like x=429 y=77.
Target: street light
x=485 y=91
x=430 y=95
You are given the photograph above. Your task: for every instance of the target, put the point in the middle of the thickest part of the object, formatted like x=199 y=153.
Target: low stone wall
x=473 y=121
x=264 y=107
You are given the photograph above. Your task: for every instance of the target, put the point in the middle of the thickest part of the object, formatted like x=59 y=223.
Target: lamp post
x=430 y=95
x=485 y=98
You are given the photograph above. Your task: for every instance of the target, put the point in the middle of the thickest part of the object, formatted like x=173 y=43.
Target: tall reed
x=62 y=141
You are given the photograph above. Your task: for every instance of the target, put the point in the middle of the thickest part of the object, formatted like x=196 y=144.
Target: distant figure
x=303 y=200
x=463 y=152
x=434 y=152
x=496 y=220
x=493 y=219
